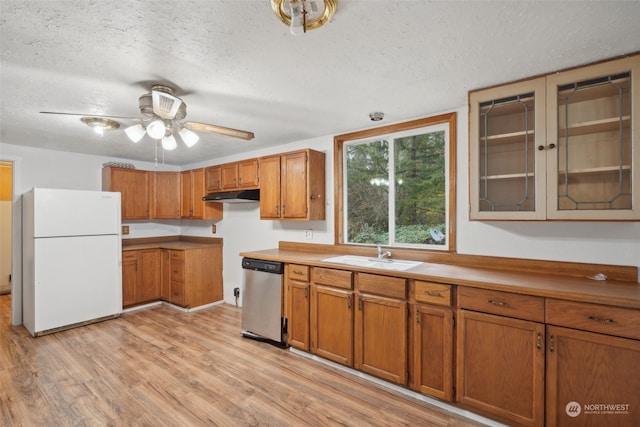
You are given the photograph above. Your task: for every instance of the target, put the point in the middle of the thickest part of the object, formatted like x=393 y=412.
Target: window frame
x=339 y=143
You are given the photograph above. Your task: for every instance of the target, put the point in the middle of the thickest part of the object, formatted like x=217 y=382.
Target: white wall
x=615 y=243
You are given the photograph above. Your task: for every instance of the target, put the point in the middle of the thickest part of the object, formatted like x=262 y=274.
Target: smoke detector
x=376 y=116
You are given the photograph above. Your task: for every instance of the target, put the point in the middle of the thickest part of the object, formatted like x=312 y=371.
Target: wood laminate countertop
x=608 y=292
x=169 y=242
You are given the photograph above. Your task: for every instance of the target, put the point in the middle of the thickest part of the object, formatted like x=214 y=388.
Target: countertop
x=169 y=242
x=609 y=292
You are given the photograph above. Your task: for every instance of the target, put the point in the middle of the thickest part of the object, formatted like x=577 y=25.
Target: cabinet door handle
x=433 y=293
x=306 y=293
x=360 y=303
x=540 y=147
x=349 y=302
x=417 y=317
x=551 y=344
x=551 y=146
x=284 y=209
x=277 y=210
x=601 y=320
x=499 y=303
x=539 y=341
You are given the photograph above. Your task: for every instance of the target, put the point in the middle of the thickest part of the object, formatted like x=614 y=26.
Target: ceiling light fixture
x=156 y=128
x=376 y=116
x=135 y=132
x=100 y=124
x=169 y=142
x=303 y=15
x=189 y=138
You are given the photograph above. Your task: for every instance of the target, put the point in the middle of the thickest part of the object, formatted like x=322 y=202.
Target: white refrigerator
x=72 y=258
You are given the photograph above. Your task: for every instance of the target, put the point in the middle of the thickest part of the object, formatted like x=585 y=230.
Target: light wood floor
x=162 y=367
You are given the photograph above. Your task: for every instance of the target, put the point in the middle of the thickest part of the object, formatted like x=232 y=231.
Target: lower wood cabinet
x=380 y=346
x=140 y=276
x=592 y=379
x=433 y=340
x=500 y=355
x=188 y=278
x=331 y=317
x=297 y=305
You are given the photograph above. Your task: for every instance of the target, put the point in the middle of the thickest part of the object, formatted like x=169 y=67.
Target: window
x=395 y=185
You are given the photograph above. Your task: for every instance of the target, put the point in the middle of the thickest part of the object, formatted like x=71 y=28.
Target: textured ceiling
x=236 y=65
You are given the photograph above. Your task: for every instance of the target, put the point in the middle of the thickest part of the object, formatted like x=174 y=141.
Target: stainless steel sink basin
x=361 y=261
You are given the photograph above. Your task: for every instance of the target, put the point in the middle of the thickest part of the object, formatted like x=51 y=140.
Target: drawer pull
x=500 y=303
x=299 y=272
x=433 y=293
x=599 y=320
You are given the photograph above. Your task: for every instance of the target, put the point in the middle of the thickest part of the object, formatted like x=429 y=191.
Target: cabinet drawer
x=177 y=271
x=433 y=293
x=623 y=322
x=298 y=272
x=392 y=287
x=502 y=303
x=335 y=278
x=177 y=255
x=129 y=256
x=177 y=293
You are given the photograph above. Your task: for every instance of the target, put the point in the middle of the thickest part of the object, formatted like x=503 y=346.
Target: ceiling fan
x=162 y=113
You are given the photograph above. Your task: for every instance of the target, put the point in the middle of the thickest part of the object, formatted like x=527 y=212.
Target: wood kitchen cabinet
x=297 y=305
x=593 y=366
x=500 y=355
x=433 y=340
x=135 y=188
x=141 y=279
x=331 y=317
x=292 y=186
x=563 y=146
x=195 y=276
x=380 y=332
x=166 y=195
x=240 y=175
x=213 y=178
x=192 y=190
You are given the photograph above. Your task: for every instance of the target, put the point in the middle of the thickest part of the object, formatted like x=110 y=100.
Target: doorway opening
x=6 y=221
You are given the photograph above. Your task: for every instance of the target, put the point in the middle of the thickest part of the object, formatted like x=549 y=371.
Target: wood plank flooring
x=164 y=367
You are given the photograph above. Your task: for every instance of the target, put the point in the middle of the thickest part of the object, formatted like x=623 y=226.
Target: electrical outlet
x=308 y=234
x=236 y=292
x=213 y=228
x=125 y=229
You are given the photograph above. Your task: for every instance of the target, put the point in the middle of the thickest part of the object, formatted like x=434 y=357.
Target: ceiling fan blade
x=92 y=115
x=205 y=127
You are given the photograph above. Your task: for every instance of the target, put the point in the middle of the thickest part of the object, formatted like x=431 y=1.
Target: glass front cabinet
x=565 y=146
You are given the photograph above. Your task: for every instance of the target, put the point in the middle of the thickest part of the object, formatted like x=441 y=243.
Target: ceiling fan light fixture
x=99 y=124
x=156 y=129
x=169 y=143
x=189 y=138
x=135 y=132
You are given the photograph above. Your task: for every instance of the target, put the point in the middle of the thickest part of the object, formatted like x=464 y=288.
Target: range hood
x=241 y=196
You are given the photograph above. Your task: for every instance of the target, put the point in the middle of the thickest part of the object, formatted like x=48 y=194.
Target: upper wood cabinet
x=135 y=188
x=166 y=195
x=240 y=175
x=564 y=146
x=213 y=178
x=292 y=186
x=193 y=189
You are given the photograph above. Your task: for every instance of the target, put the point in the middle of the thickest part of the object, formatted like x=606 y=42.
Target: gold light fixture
x=303 y=15
x=100 y=124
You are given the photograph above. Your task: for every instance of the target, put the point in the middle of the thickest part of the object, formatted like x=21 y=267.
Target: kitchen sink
x=362 y=261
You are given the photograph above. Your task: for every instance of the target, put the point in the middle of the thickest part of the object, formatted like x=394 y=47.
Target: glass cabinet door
x=507 y=166
x=592 y=151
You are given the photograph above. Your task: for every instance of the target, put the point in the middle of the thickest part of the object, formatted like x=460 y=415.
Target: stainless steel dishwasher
x=262 y=301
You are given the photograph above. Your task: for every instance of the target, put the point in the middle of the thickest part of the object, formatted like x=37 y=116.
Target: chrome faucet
x=381 y=255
